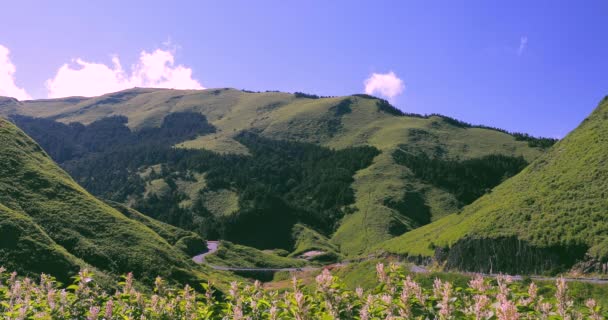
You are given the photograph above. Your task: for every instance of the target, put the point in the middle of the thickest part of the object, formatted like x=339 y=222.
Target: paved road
x=212 y=247
x=422 y=269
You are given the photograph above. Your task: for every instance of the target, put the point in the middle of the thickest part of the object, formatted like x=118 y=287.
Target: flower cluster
x=397 y=296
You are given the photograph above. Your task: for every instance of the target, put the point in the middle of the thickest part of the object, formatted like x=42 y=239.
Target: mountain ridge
x=331 y=122
x=553 y=210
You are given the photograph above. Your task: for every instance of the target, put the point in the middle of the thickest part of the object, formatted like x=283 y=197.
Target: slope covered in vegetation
x=50 y=224
x=382 y=192
x=548 y=217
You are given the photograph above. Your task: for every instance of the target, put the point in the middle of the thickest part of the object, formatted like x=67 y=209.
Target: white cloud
x=523 y=43
x=386 y=84
x=7 y=77
x=154 y=70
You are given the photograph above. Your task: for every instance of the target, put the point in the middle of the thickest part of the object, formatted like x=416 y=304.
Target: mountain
x=550 y=217
x=251 y=166
x=49 y=224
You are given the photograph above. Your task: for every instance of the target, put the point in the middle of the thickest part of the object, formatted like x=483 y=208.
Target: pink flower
x=593 y=312
x=481 y=304
x=93 y=313
x=561 y=295
x=506 y=310
x=446 y=295
x=359 y=292
x=478 y=283
x=109 y=309
x=324 y=280
x=380 y=272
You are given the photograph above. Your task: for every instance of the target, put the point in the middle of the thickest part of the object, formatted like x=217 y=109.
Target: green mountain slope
x=50 y=224
x=547 y=217
x=384 y=191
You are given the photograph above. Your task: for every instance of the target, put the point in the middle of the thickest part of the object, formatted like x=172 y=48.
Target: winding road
x=212 y=247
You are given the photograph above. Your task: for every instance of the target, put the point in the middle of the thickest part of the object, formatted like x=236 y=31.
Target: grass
x=221 y=202
x=279 y=115
x=50 y=224
x=308 y=239
x=234 y=255
x=217 y=142
x=558 y=200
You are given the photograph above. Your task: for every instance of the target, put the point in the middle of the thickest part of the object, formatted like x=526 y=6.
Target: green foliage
x=336 y=123
x=558 y=201
x=50 y=224
x=66 y=142
x=535 y=142
x=280 y=184
x=307 y=240
x=191 y=245
x=393 y=295
x=468 y=179
x=239 y=256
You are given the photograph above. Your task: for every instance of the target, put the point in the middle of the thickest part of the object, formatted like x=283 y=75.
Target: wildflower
x=359 y=292
x=109 y=309
x=324 y=280
x=405 y=300
x=93 y=313
x=159 y=285
x=364 y=313
x=532 y=294
x=437 y=288
x=294 y=283
x=480 y=308
x=234 y=290
x=237 y=312
x=503 y=282
x=446 y=295
x=299 y=296
x=478 y=283
x=22 y=313
x=273 y=312
x=414 y=288
x=594 y=313
x=128 y=287
x=561 y=295
x=50 y=298
x=209 y=292
x=506 y=310
x=387 y=299
x=381 y=273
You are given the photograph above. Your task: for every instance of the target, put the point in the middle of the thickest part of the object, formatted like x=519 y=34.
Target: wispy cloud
x=523 y=43
x=7 y=77
x=387 y=85
x=156 y=69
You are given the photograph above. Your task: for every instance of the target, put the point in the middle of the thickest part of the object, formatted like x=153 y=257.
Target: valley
x=296 y=184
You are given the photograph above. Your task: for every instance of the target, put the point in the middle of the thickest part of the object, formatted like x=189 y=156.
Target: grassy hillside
x=547 y=217
x=24 y=246
x=50 y=224
x=234 y=255
x=383 y=190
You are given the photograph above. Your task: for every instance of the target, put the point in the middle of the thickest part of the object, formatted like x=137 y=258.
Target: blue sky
x=531 y=66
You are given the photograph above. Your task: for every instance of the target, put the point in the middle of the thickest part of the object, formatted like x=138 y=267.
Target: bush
x=191 y=245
